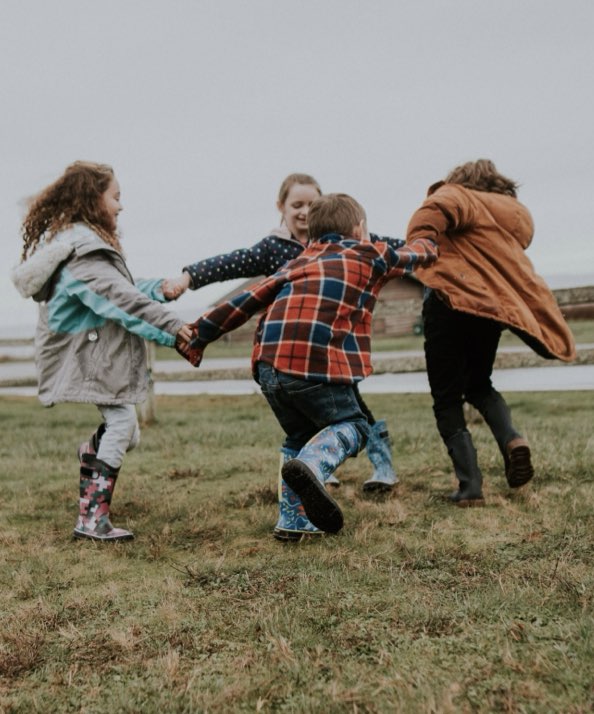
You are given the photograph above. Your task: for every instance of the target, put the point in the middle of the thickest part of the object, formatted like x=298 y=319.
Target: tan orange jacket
x=482 y=267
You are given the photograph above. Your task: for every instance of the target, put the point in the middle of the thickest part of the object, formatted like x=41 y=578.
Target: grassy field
x=415 y=607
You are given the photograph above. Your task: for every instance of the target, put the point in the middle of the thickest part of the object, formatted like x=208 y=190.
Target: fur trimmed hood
x=32 y=276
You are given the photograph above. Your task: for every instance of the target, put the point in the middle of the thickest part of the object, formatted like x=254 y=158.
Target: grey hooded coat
x=93 y=320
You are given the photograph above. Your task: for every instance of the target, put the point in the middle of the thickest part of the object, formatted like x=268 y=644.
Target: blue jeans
x=303 y=408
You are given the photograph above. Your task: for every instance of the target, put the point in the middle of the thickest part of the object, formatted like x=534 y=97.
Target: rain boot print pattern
x=97 y=483
x=379 y=453
x=292 y=524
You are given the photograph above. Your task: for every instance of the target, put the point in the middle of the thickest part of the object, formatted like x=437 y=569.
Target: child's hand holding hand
x=172 y=288
x=421 y=251
x=185 y=334
x=182 y=344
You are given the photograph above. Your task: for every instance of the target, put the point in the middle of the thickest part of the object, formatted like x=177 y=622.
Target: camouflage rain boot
x=380 y=454
x=318 y=459
x=92 y=445
x=292 y=525
x=97 y=482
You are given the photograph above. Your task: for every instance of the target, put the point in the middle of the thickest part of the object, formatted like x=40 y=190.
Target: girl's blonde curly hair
x=76 y=197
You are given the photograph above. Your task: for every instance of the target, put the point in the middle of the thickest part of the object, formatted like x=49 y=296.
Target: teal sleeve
x=76 y=306
x=151 y=287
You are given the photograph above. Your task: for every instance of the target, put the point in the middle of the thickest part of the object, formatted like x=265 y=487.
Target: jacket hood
x=283 y=233
x=32 y=278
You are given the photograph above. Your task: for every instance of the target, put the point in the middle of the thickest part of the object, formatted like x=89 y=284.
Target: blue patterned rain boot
x=317 y=460
x=380 y=454
x=292 y=524
x=332 y=481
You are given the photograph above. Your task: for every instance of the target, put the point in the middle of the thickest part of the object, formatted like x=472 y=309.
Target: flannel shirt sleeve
x=421 y=251
x=396 y=243
x=230 y=315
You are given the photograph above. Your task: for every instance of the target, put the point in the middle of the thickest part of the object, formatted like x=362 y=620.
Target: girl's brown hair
x=482 y=175
x=291 y=180
x=76 y=197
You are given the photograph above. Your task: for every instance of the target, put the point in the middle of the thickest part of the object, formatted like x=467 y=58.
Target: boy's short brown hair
x=334 y=213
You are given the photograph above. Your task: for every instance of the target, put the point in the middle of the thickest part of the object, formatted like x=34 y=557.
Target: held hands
x=184 y=335
x=183 y=344
x=183 y=339
x=172 y=288
x=421 y=251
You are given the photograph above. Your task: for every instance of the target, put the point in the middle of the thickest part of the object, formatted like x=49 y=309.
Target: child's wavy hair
x=482 y=175
x=73 y=198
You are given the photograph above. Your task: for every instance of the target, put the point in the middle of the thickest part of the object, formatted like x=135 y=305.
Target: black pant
x=362 y=406
x=460 y=351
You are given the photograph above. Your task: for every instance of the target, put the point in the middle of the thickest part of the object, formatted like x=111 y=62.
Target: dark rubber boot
x=463 y=455
x=518 y=465
x=514 y=448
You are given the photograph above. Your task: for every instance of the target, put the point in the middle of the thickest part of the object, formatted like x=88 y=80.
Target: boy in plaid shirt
x=313 y=343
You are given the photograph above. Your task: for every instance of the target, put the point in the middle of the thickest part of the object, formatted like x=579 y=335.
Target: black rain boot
x=463 y=455
x=514 y=448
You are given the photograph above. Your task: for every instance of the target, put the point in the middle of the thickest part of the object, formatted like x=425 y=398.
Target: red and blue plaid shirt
x=317 y=324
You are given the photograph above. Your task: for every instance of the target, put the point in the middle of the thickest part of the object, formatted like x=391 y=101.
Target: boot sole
x=470 y=503
x=321 y=509
x=81 y=535
x=378 y=487
x=294 y=536
x=520 y=469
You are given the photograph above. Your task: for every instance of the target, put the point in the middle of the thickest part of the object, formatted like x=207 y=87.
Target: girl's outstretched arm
x=263 y=258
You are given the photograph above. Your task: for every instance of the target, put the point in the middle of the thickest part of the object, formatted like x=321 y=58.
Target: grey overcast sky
x=203 y=106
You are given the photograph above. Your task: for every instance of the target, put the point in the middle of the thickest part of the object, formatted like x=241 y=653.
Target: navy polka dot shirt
x=263 y=258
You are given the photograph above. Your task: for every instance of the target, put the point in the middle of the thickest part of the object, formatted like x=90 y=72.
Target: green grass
x=415 y=607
